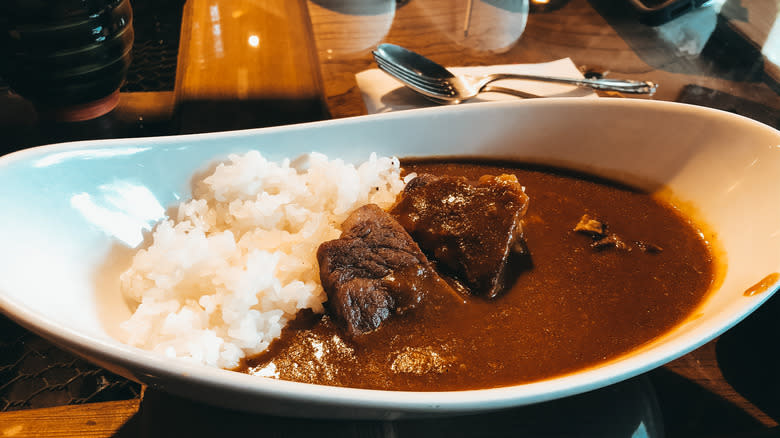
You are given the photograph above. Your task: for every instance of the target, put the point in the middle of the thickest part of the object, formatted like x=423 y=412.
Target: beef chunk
x=373 y=270
x=469 y=229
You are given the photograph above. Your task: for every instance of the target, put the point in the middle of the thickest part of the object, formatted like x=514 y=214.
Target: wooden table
x=283 y=61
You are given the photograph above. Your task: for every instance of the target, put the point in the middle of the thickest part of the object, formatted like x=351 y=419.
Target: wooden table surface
x=283 y=61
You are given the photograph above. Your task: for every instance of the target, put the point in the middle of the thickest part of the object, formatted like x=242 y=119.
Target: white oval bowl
x=71 y=214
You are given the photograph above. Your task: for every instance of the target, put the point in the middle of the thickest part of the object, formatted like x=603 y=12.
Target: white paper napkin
x=382 y=93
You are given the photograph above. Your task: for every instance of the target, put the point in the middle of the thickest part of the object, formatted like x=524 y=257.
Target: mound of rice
x=221 y=281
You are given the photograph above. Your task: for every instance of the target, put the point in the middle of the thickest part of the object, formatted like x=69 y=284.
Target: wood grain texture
x=90 y=420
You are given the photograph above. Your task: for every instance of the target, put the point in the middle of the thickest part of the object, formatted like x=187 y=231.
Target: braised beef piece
x=469 y=229
x=373 y=270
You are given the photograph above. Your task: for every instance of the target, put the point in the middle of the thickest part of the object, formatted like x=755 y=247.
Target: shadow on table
x=690 y=410
x=628 y=409
x=749 y=356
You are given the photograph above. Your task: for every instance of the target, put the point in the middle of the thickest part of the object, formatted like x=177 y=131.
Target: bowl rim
x=117 y=356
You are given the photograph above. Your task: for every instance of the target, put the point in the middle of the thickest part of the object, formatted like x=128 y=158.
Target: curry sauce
x=572 y=304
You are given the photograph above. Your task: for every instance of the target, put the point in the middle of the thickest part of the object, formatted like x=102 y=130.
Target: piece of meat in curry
x=468 y=229
x=373 y=270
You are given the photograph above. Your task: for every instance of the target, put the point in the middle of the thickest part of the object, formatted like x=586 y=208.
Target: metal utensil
x=439 y=92
x=426 y=76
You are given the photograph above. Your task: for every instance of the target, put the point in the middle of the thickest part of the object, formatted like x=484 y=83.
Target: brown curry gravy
x=575 y=307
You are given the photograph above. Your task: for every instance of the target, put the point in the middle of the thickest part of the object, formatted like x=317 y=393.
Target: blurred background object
x=482 y=26
x=655 y=12
x=354 y=26
x=69 y=57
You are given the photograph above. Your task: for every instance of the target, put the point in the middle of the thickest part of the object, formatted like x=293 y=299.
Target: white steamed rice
x=221 y=281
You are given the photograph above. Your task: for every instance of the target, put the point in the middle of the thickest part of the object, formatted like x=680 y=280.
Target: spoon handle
x=621 y=85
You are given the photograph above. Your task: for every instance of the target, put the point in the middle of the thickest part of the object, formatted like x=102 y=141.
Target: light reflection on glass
x=121 y=209
x=254 y=40
x=486 y=26
x=216 y=30
x=689 y=33
x=771 y=47
x=733 y=187
x=86 y=154
x=350 y=27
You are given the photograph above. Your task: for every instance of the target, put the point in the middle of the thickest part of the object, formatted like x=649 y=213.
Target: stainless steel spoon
x=413 y=68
